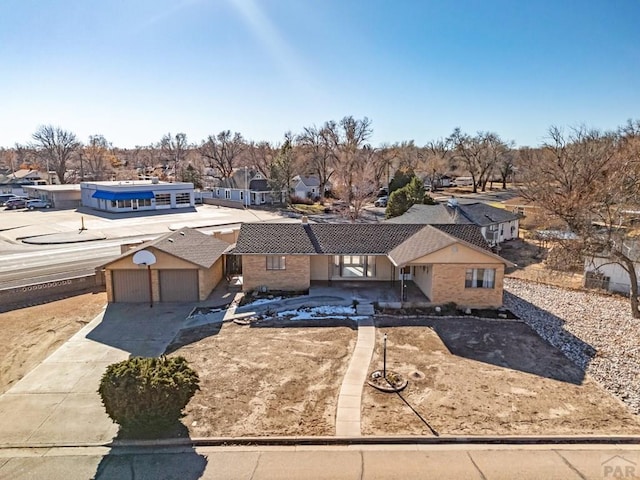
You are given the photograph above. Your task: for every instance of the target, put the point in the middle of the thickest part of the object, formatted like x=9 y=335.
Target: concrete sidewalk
x=313 y=462
x=348 y=410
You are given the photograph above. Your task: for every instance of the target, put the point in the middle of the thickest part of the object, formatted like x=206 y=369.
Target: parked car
x=381 y=202
x=13 y=203
x=33 y=204
x=6 y=196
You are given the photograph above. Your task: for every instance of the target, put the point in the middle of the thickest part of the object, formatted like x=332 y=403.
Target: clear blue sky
x=133 y=70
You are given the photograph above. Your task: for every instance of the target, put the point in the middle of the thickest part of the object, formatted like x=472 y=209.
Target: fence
x=30 y=294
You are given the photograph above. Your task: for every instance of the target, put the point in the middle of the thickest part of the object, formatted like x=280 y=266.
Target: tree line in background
x=338 y=153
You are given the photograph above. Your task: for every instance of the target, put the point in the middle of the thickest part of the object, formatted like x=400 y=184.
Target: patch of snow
x=262 y=301
x=321 y=312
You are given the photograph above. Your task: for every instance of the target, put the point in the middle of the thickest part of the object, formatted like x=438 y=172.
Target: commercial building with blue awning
x=134 y=195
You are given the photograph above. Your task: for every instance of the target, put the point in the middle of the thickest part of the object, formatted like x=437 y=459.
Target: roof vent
x=182 y=233
x=452 y=202
x=305 y=219
x=170 y=240
x=154 y=180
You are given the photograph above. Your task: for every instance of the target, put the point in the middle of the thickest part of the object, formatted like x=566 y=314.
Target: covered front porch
x=383 y=293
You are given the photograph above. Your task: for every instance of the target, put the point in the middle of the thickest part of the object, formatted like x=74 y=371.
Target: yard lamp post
x=384 y=356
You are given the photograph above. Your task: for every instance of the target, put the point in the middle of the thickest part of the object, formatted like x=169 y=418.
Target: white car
x=381 y=202
x=33 y=204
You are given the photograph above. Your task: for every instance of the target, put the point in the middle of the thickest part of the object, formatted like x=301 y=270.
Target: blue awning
x=132 y=195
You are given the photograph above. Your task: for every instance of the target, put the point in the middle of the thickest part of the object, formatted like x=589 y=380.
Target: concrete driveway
x=57 y=402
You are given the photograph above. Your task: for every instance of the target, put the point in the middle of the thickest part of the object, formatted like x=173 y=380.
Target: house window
x=227 y=194
x=356 y=266
x=183 y=199
x=144 y=202
x=217 y=192
x=241 y=195
x=163 y=199
x=275 y=262
x=480 y=278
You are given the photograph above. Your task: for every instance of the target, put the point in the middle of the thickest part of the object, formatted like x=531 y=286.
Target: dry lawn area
x=499 y=382
x=466 y=376
x=31 y=334
x=267 y=381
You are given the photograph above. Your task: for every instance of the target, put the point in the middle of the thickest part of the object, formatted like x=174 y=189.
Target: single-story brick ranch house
x=448 y=263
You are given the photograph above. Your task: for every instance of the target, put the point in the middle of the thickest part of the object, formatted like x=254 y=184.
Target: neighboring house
x=439 y=181
x=306 y=187
x=247 y=187
x=496 y=224
x=16 y=181
x=134 y=195
x=601 y=272
x=188 y=266
x=448 y=263
x=30 y=175
x=59 y=196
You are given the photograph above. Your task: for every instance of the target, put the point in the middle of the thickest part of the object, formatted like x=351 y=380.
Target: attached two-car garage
x=132 y=286
x=187 y=265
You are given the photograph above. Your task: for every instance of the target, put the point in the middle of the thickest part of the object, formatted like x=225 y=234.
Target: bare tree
x=382 y=162
x=588 y=179
x=436 y=155
x=320 y=146
x=57 y=147
x=173 y=152
x=469 y=151
x=261 y=155
x=97 y=155
x=283 y=167
x=351 y=136
x=494 y=152
x=221 y=152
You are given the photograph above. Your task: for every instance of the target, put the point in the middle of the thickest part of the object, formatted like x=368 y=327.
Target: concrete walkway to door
x=57 y=402
x=350 y=396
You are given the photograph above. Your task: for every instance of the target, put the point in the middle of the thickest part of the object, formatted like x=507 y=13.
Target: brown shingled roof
x=187 y=244
x=273 y=238
x=402 y=243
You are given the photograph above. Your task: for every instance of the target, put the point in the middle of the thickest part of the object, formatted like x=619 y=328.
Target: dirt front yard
x=31 y=334
x=477 y=377
x=467 y=376
x=267 y=381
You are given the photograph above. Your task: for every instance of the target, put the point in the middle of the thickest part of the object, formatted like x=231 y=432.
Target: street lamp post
x=246 y=187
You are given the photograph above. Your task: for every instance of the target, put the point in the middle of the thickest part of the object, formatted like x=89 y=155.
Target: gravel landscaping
x=595 y=331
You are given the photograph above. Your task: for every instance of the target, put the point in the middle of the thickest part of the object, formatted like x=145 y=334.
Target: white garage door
x=179 y=285
x=130 y=286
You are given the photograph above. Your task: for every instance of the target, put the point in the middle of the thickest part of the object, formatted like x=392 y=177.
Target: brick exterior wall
x=448 y=286
x=208 y=279
x=295 y=277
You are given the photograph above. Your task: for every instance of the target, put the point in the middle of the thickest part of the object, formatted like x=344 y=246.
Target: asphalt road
x=26 y=268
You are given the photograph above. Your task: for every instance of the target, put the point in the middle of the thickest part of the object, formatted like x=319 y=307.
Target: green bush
x=146 y=396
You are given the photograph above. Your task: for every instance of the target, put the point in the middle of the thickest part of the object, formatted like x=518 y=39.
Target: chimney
x=305 y=220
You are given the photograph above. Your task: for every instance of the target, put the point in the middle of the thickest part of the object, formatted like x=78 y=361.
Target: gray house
x=306 y=187
x=496 y=224
x=247 y=187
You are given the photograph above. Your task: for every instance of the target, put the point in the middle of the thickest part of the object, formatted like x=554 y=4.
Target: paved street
x=356 y=462
x=58 y=249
